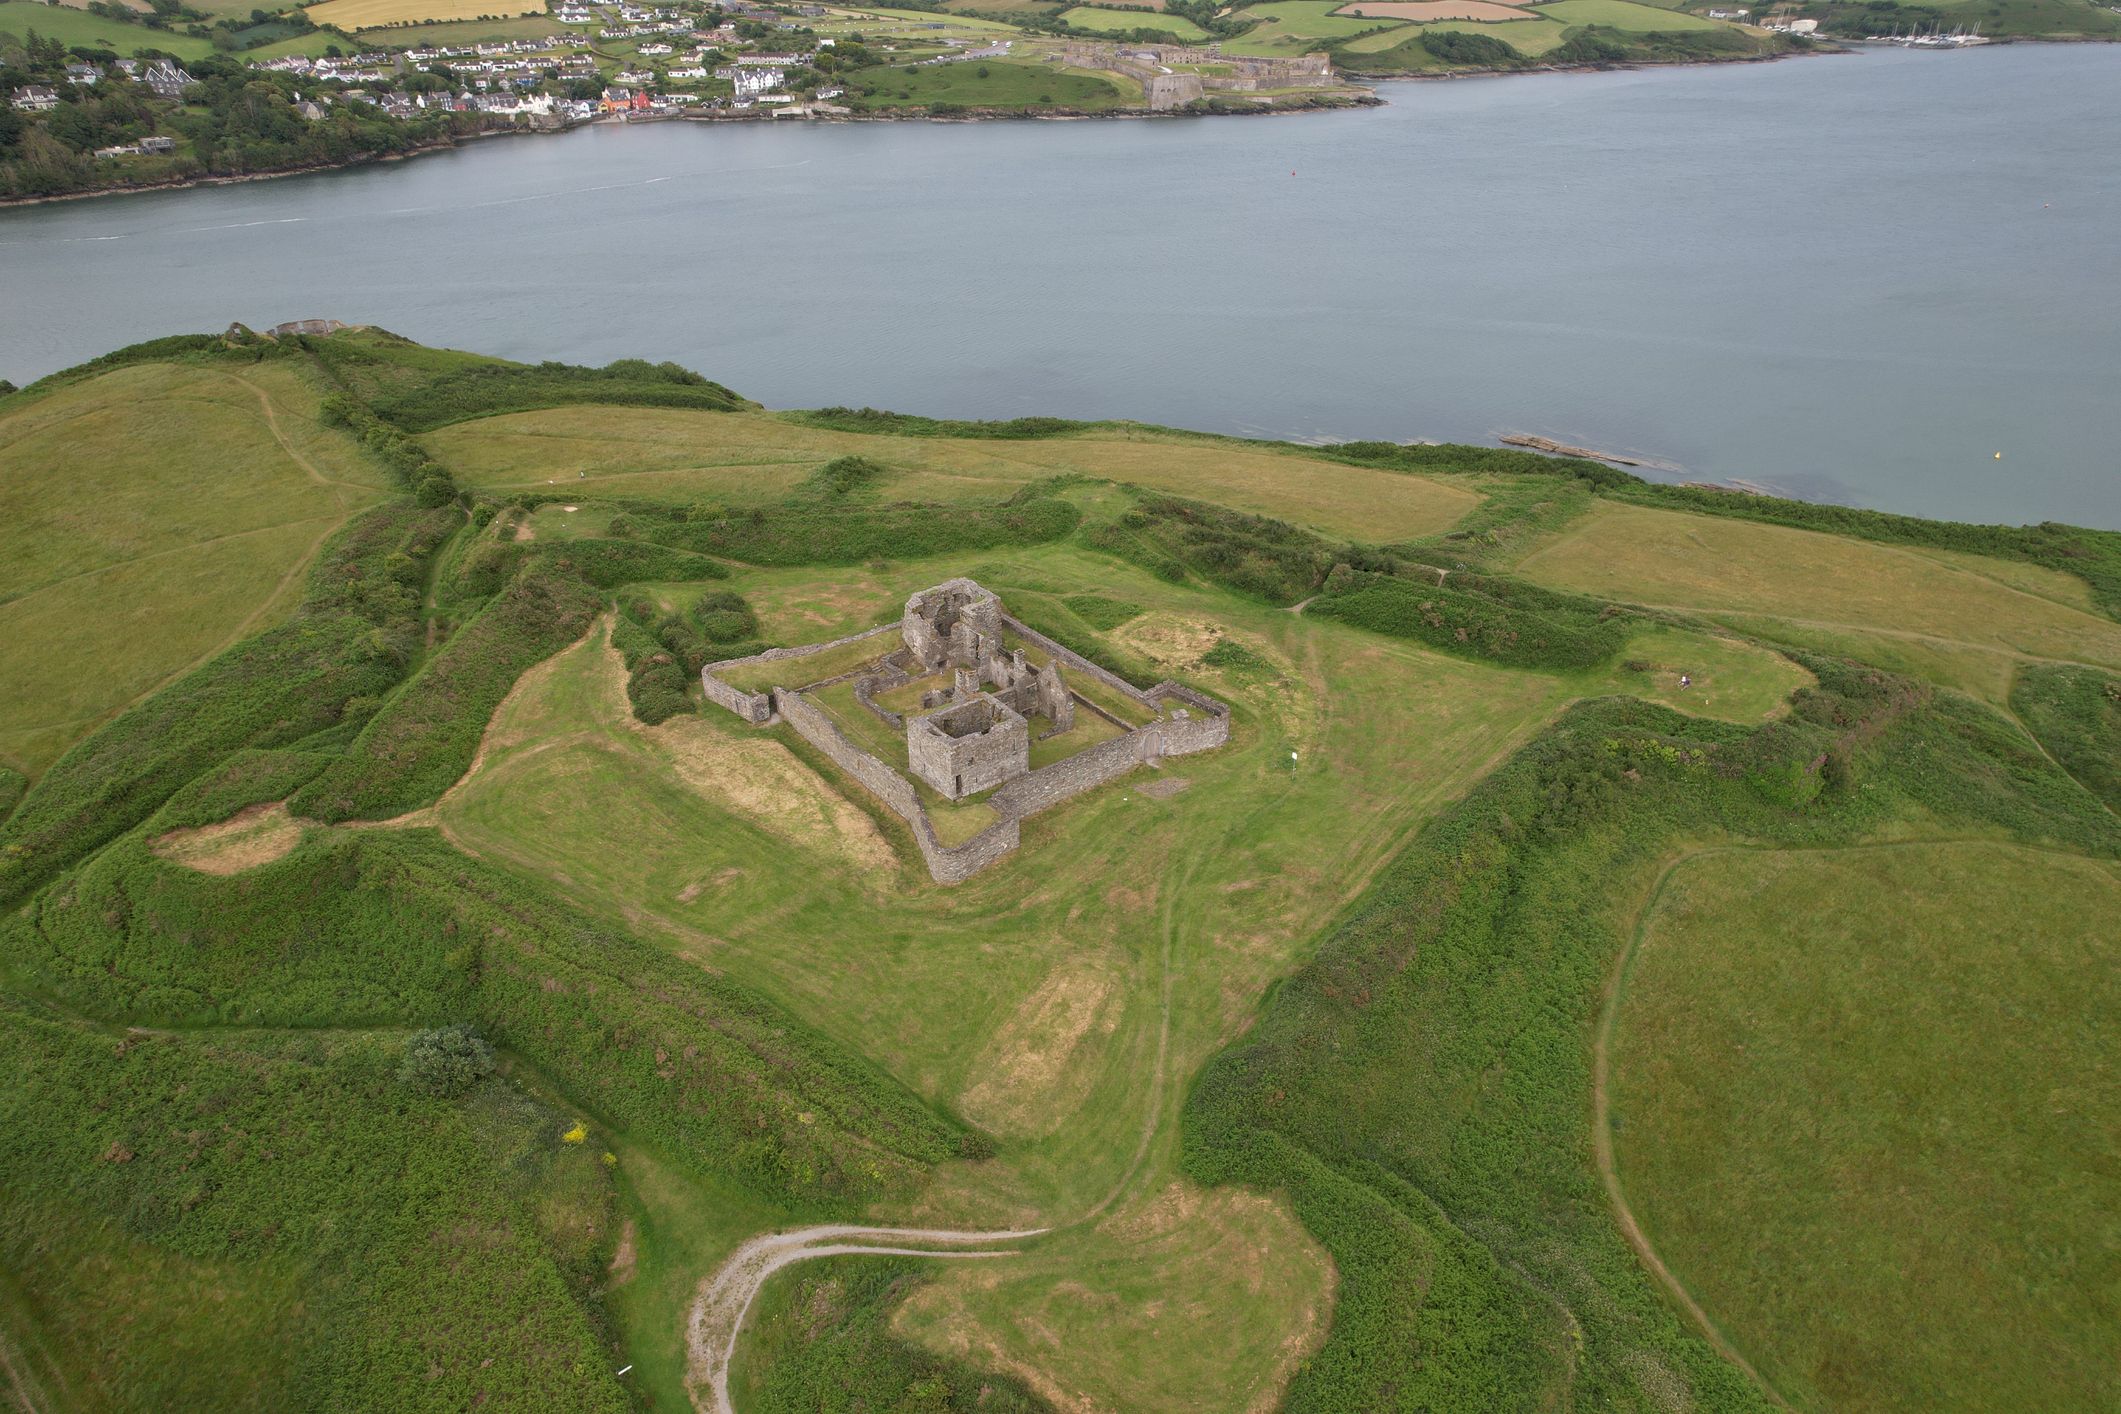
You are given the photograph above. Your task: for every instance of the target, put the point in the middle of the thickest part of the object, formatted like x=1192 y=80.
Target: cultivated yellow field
x=1825 y=583
x=746 y=457
x=374 y=14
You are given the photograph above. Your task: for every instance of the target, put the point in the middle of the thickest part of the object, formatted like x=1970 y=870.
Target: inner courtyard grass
x=175 y=509
x=752 y=458
x=1864 y=1104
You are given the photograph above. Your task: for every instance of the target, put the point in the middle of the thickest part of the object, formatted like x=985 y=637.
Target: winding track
x=724 y=1298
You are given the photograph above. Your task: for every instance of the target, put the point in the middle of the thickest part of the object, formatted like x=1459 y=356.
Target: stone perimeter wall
x=1206 y=727
x=948 y=865
x=757 y=707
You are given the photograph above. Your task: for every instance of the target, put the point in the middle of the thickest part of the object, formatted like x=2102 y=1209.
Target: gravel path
x=726 y=1296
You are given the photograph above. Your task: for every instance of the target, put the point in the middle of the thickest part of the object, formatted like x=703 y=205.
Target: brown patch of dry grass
x=1035 y=1070
x=254 y=835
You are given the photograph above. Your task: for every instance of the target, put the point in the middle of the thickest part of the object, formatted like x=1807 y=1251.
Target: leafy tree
x=446 y=1061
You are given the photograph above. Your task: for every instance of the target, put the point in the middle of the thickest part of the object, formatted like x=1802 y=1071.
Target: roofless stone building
x=987 y=688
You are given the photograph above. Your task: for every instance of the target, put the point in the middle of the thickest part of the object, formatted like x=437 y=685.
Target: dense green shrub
x=899 y=424
x=1478 y=616
x=1417 y=1090
x=607 y=564
x=1464 y=47
x=724 y=616
x=488 y=389
x=1251 y=555
x=1232 y=656
x=247 y=777
x=359 y=1242
x=12 y=784
x=356 y=630
x=486 y=566
x=407 y=461
x=424 y=738
x=658 y=682
x=2075 y=712
x=843 y=476
x=446 y=1061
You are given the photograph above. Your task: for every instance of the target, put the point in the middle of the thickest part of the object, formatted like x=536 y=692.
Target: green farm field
x=1846 y=589
x=74 y=26
x=1902 y=1051
x=1626 y=16
x=1100 y=21
x=174 y=508
x=438 y=933
x=1528 y=37
x=988 y=83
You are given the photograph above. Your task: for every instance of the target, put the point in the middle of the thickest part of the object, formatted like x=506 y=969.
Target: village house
x=35 y=98
x=158 y=145
x=85 y=75
x=167 y=80
x=750 y=82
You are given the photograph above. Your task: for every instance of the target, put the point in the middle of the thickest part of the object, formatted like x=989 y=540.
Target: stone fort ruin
x=959 y=698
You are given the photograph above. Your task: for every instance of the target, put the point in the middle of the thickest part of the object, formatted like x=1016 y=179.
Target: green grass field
x=1101 y=21
x=1626 y=16
x=71 y=26
x=987 y=83
x=1531 y=38
x=1843 y=588
x=1863 y=1105
x=148 y=519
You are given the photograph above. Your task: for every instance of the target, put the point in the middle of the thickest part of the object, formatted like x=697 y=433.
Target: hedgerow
x=350 y=640
x=803 y=533
x=1417 y=1090
x=400 y=1236
x=427 y=479
x=1478 y=616
x=394 y=927
x=1251 y=555
x=245 y=778
x=489 y=389
x=2075 y=713
x=607 y=564
x=424 y=738
x=899 y=424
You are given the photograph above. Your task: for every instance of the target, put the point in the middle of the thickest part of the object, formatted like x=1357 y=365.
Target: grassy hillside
x=1293 y=1045
x=174 y=509
x=1791 y=1058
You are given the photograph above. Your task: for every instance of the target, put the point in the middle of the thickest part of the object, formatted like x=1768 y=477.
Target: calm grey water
x=1853 y=278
